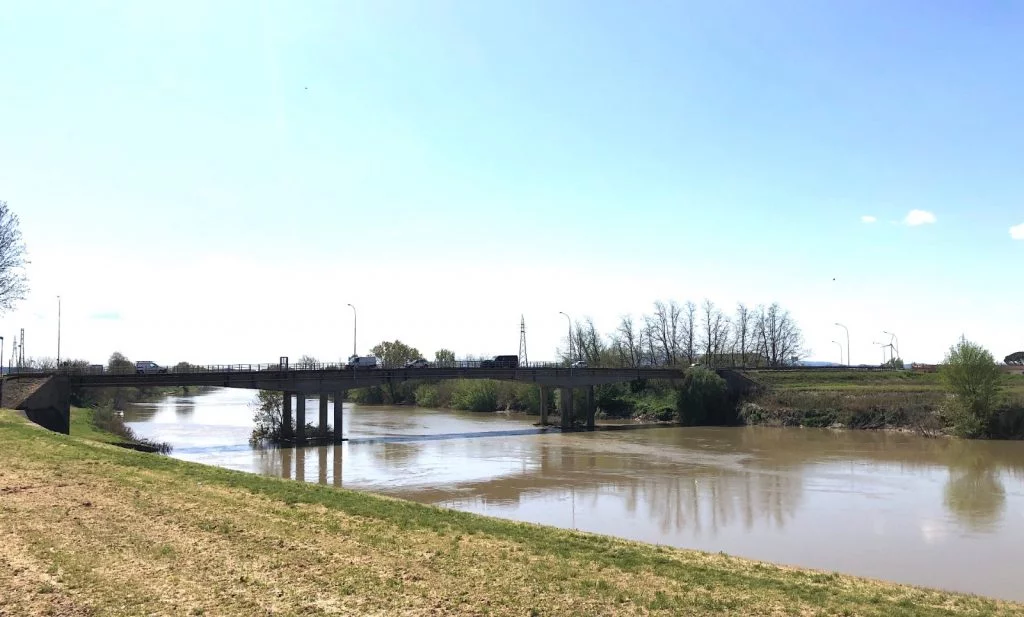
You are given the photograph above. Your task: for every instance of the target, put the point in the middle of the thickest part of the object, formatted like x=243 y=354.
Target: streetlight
x=354 y=323
x=58 y=333
x=569 y=320
x=897 y=342
x=840 y=351
x=848 y=361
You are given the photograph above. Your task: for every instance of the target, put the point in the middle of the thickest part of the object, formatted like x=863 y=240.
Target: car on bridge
x=501 y=362
x=146 y=367
x=363 y=362
x=417 y=363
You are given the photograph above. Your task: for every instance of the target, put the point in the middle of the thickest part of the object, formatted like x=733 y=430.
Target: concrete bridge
x=334 y=381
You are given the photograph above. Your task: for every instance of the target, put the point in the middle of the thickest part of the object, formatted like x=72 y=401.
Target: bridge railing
x=191 y=369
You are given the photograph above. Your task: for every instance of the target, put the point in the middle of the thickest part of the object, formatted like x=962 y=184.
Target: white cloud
x=919 y=217
x=1017 y=232
x=867 y=219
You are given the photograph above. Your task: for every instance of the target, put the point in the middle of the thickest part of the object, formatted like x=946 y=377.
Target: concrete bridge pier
x=286 y=416
x=324 y=401
x=339 y=400
x=300 y=417
x=566 y=403
x=591 y=408
x=545 y=392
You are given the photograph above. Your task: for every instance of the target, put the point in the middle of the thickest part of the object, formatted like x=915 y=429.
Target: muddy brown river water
x=935 y=512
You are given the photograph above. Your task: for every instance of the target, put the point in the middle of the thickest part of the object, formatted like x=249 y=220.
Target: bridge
x=333 y=381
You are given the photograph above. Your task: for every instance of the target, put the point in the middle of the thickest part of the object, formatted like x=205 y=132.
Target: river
x=934 y=512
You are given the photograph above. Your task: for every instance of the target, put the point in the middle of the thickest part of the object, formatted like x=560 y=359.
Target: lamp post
x=848 y=361
x=58 y=333
x=894 y=338
x=354 y=331
x=1 y=357
x=569 y=320
x=840 y=351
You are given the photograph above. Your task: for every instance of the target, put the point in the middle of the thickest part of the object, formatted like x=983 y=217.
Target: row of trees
x=677 y=334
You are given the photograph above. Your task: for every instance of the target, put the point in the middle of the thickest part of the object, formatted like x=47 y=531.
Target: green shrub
x=703 y=398
x=971 y=375
x=426 y=395
x=475 y=395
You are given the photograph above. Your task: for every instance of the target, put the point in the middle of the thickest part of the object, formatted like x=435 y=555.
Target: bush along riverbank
x=222 y=542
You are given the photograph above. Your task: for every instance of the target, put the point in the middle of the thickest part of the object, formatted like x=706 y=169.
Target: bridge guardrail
x=339 y=366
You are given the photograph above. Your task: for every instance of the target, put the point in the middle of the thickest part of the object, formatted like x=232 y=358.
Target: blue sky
x=214 y=182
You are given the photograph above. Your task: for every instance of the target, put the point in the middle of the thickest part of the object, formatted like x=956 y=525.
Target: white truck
x=363 y=361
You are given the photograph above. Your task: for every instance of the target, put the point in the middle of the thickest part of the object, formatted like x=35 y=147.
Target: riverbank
x=903 y=400
x=220 y=542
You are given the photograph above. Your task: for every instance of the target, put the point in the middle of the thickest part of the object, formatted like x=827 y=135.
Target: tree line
x=675 y=334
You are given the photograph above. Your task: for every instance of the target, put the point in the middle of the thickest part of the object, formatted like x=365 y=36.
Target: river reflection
x=886 y=505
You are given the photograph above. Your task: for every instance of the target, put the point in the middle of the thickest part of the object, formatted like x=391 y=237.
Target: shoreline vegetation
x=224 y=542
x=897 y=399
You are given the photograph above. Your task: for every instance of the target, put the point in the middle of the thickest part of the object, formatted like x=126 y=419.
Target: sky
x=217 y=182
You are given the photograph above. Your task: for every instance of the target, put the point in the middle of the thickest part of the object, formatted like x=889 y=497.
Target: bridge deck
x=332 y=379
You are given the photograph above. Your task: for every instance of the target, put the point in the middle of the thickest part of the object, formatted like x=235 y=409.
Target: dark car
x=501 y=362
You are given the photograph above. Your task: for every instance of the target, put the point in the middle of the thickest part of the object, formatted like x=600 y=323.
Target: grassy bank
x=859 y=399
x=91 y=529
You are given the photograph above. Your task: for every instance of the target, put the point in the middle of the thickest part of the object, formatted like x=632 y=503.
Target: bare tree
x=628 y=340
x=779 y=338
x=589 y=345
x=714 y=333
x=689 y=331
x=13 y=282
x=662 y=326
x=743 y=330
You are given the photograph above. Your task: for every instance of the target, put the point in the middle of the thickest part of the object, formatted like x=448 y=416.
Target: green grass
x=88 y=528
x=865 y=381
x=83 y=425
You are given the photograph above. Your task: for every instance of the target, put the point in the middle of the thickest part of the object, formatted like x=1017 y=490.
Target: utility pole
x=58 y=333
x=522 y=341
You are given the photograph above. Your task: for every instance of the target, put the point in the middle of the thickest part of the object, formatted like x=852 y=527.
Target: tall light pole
x=897 y=342
x=568 y=319
x=1 y=357
x=354 y=331
x=58 y=333
x=840 y=351
x=848 y=361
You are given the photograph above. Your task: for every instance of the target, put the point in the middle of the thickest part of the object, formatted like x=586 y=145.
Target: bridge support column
x=286 y=416
x=339 y=400
x=323 y=413
x=545 y=392
x=300 y=417
x=591 y=408
x=300 y=464
x=566 y=404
